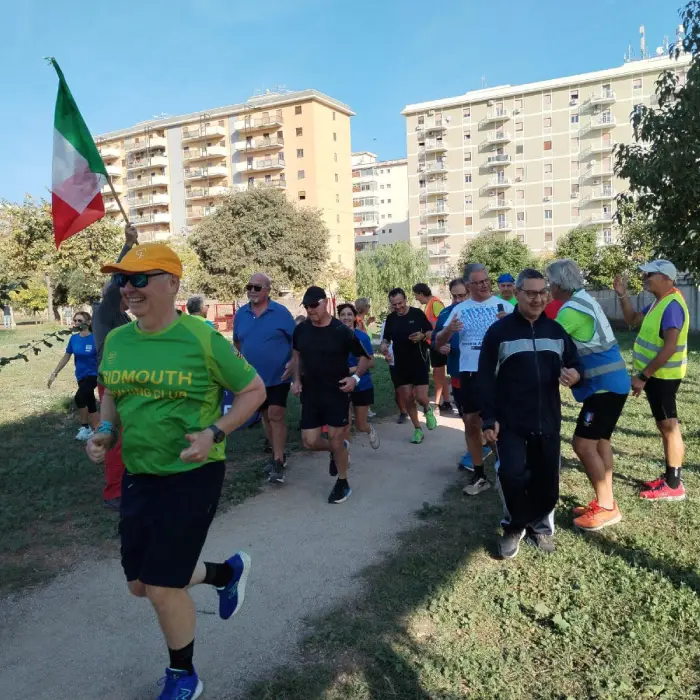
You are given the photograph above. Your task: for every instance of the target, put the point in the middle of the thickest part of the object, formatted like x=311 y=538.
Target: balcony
x=162 y=217
x=154 y=199
x=109 y=153
x=498 y=137
x=206 y=192
x=598 y=170
x=135 y=183
x=435 y=187
x=494 y=115
x=502 y=226
x=602 y=121
x=362 y=202
x=107 y=192
x=370 y=186
x=199 y=213
x=111 y=207
x=496 y=205
x=263 y=144
x=599 y=194
x=200 y=134
x=598 y=148
x=430 y=212
x=600 y=219
x=204 y=153
x=442 y=251
x=135 y=145
x=205 y=173
x=433 y=168
x=431 y=125
x=152 y=162
x=280 y=184
x=495 y=183
x=256 y=123
x=498 y=159
x=113 y=170
x=435 y=232
x=263 y=164
x=432 y=146
x=605 y=97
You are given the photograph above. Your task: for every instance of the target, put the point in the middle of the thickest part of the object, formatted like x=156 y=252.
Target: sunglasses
x=253 y=287
x=138 y=279
x=312 y=305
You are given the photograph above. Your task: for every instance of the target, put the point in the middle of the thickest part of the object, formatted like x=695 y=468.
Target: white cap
x=663 y=267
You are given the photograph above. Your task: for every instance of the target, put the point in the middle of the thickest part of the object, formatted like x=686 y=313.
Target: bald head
x=258 y=289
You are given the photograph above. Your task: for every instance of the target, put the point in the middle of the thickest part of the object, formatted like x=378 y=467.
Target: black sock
x=342 y=482
x=181 y=659
x=479 y=470
x=673 y=476
x=218 y=574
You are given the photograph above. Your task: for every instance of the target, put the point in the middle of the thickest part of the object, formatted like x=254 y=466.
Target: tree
x=260 y=230
x=339 y=280
x=497 y=253
x=580 y=245
x=387 y=266
x=194 y=278
x=32 y=297
x=662 y=164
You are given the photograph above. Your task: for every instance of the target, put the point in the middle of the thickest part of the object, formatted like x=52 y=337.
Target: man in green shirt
x=164 y=377
x=506 y=288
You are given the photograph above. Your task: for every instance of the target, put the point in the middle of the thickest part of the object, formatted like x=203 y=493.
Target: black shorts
x=661 y=395
x=85 y=396
x=599 y=415
x=362 y=398
x=416 y=373
x=437 y=359
x=329 y=409
x=468 y=393
x=276 y=396
x=164 y=523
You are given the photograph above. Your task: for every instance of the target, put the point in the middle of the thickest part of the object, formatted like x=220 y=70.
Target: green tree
x=387 y=266
x=194 y=278
x=497 y=252
x=260 y=231
x=33 y=297
x=580 y=245
x=662 y=164
x=339 y=280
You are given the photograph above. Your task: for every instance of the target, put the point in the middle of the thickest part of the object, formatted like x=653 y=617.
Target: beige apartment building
x=379 y=200
x=170 y=173
x=532 y=161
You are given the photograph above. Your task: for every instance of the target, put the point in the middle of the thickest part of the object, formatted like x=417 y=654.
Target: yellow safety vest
x=649 y=344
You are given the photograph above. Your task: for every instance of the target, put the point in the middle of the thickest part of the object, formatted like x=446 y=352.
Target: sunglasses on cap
x=137 y=279
x=253 y=287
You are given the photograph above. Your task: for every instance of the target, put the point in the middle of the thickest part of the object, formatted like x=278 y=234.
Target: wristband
x=356 y=377
x=106 y=426
x=643 y=377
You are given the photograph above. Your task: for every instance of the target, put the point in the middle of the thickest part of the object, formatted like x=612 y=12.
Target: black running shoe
x=277 y=472
x=403 y=417
x=340 y=493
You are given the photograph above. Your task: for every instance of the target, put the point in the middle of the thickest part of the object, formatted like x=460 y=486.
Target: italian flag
x=79 y=173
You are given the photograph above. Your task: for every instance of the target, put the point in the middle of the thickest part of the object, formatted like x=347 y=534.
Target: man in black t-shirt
x=408 y=328
x=321 y=346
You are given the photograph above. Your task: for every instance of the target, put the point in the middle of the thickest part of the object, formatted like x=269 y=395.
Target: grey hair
x=566 y=274
x=529 y=273
x=471 y=268
x=195 y=305
x=362 y=304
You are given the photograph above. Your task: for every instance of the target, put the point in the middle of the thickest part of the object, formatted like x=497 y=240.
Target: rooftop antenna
x=666 y=44
x=642 y=43
x=680 y=37
x=484 y=82
x=629 y=54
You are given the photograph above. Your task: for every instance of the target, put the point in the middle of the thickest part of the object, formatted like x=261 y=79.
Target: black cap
x=312 y=295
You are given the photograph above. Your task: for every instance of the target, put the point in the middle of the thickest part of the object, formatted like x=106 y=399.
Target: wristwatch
x=356 y=377
x=643 y=377
x=219 y=435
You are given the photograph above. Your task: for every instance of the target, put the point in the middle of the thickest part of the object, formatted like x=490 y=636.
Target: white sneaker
x=84 y=434
x=373 y=438
x=371 y=414
x=477 y=485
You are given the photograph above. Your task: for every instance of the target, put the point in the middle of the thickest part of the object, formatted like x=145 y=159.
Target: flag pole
x=119 y=204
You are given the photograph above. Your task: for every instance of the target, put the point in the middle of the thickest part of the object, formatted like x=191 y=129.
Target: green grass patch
x=612 y=615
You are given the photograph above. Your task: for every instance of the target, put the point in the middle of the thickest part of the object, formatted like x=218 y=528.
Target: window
x=300 y=131
x=518 y=104
x=574 y=166
x=337 y=198
x=574 y=118
x=340 y=258
x=300 y=152
x=467 y=135
x=547 y=145
x=297 y=109
x=468 y=199
x=637 y=84
x=519 y=150
x=336 y=177
x=548 y=191
x=547 y=214
x=335 y=136
x=518 y=127
x=547 y=236
x=467 y=179
x=607 y=235
x=333 y=116
x=381 y=201
x=381 y=187
x=548 y=122
x=383 y=216
x=389 y=230
x=575 y=211
x=388 y=201
x=388 y=216
x=468 y=157
x=467 y=112
x=548 y=168
x=388 y=187
x=519 y=174
x=521 y=237
x=335 y=157
x=547 y=99
x=575 y=144
x=302 y=194
x=338 y=239
x=520 y=194
x=573 y=97
x=520 y=217
x=337 y=221
x=468 y=220
x=384 y=230
x=381 y=172
x=300 y=174
x=421 y=120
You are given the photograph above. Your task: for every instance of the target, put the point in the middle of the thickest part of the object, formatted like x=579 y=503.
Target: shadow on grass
x=364 y=650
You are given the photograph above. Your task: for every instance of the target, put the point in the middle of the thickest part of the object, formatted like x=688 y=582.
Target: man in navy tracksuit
x=524 y=358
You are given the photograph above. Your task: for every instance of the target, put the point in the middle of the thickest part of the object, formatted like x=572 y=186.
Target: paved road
x=83 y=637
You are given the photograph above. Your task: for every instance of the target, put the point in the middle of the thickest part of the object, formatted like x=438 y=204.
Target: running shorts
x=599 y=415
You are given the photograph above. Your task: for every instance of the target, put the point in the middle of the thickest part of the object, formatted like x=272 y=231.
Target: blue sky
x=130 y=60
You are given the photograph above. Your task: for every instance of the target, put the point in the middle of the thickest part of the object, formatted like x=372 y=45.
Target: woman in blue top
x=363 y=396
x=82 y=346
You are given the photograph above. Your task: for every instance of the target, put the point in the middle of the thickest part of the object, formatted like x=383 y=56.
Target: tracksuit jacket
x=518 y=380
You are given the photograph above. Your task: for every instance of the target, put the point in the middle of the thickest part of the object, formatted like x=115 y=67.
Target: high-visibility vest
x=430 y=313
x=649 y=343
x=604 y=368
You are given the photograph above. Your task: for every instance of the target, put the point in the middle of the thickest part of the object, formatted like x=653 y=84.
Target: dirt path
x=84 y=637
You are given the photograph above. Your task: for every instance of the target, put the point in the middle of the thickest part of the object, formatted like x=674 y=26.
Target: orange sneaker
x=596 y=518
x=580 y=510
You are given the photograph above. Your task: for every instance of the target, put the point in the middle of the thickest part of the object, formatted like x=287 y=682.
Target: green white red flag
x=79 y=173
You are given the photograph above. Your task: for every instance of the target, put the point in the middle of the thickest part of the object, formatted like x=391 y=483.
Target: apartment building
x=379 y=200
x=532 y=161
x=170 y=173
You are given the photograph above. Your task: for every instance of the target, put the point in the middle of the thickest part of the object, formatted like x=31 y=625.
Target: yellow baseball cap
x=147 y=257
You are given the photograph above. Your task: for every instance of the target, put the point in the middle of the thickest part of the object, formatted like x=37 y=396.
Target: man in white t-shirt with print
x=471 y=319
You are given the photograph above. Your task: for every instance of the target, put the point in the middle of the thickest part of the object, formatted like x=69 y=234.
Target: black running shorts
x=661 y=395
x=599 y=415
x=276 y=396
x=362 y=398
x=322 y=409
x=415 y=373
x=468 y=393
x=437 y=359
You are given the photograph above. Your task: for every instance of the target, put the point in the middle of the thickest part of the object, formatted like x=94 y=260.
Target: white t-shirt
x=477 y=317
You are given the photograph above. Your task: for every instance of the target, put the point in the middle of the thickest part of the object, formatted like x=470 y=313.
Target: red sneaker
x=655 y=483
x=664 y=492
x=580 y=510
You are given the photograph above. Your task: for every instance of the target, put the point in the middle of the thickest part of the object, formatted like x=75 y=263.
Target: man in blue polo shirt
x=262 y=332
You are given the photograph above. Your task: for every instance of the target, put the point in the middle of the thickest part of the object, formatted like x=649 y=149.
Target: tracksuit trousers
x=528 y=478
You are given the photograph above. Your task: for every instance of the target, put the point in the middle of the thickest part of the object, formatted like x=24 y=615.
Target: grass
x=612 y=615
x=51 y=512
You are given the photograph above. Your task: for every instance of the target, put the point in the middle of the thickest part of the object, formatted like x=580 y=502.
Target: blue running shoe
x=180 y=686
x=231 y=596
x=465 y=463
